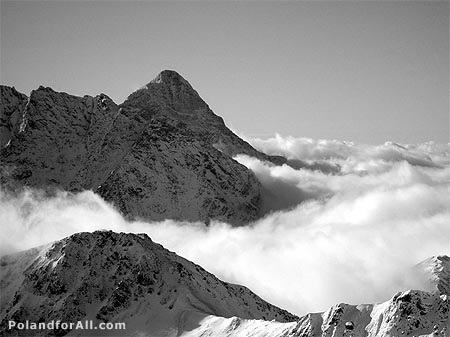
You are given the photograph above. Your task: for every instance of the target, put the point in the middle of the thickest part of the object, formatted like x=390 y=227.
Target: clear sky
x=362 y=71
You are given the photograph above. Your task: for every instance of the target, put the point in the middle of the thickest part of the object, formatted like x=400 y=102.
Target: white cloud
x=351 y=239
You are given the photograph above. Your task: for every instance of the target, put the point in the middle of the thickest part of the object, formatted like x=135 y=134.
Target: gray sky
x=362 y=71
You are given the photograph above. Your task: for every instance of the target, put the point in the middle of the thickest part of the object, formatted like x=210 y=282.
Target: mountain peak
x=170 y=77
x=168 y=89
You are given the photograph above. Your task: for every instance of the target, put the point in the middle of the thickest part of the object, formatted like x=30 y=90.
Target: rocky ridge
x=161 y=154
x=437 y=270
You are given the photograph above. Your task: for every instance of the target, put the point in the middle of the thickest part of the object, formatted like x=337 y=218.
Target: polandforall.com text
x=56 y=325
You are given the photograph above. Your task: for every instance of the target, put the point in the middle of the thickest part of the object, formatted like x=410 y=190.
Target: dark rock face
x=180 y=177
x=12 y=105
x=58 y=139
x=161 y=154
x=107 y=276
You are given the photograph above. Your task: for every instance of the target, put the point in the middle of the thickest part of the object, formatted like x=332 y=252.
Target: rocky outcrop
x=117 y=277
x=58 y=140
x=162 y=154
x=437 y=270
x=12 y=105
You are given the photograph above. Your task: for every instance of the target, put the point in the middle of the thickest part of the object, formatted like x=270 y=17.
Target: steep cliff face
x=57 y=139
x=117 y=277
x=162 y=154
x=12 y=105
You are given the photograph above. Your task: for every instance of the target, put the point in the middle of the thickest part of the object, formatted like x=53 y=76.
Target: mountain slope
x=162 y=154
x=437 y=270
x=111 y=277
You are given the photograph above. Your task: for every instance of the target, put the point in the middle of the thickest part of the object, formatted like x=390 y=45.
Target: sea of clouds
x=344 y=222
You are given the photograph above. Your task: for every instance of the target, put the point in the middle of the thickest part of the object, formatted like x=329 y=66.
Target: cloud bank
x=344 y=235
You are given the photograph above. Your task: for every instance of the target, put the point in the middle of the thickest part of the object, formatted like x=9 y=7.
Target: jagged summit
x=170 y=77
x=168 y=89
x=171 y=95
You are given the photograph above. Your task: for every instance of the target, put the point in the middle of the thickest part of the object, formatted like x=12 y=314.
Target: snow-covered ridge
x=437 y=270
x=117 y=277
x=409 y=313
